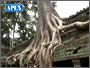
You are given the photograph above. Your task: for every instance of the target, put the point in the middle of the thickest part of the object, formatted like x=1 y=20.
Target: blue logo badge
x=13 y=7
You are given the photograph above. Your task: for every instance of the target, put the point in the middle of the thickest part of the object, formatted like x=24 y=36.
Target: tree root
x=47 y=39
x=12 y=57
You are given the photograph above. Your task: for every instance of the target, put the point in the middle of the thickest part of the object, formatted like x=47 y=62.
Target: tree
x=5 y=22
x=47 y=37
x=26 y=19
x=10 y=19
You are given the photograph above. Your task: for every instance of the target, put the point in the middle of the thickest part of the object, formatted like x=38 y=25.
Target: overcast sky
x=67 y=8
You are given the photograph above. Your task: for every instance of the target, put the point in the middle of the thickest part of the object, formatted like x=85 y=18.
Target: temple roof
x=76 y=41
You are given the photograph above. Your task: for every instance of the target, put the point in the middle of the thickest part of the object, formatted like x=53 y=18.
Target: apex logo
x=13 y=7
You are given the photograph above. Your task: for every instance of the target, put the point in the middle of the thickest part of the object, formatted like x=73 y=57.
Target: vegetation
x=47 y=37
x=20 y=23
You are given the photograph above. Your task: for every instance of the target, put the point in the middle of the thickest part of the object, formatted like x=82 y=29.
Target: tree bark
x=47 y=38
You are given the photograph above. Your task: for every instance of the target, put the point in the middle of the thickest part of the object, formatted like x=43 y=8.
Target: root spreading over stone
x=47 y=39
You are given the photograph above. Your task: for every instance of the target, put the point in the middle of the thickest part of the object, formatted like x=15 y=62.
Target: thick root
x=47 y=38
x=12 y=57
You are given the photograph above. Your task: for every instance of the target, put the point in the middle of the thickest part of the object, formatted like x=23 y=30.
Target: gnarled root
x=14 y=57
x=47 y=38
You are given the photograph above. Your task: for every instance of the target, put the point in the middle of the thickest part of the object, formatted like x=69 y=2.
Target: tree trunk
x=47 y=38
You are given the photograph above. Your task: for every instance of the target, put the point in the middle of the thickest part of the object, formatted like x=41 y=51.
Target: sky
x=67 y=8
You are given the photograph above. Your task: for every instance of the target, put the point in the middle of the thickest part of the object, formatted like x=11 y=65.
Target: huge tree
x=47 y=37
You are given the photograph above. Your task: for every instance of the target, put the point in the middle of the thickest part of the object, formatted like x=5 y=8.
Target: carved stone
x=76 y=62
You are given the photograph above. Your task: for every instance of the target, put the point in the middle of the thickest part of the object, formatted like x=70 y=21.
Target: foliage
x=26 y=23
